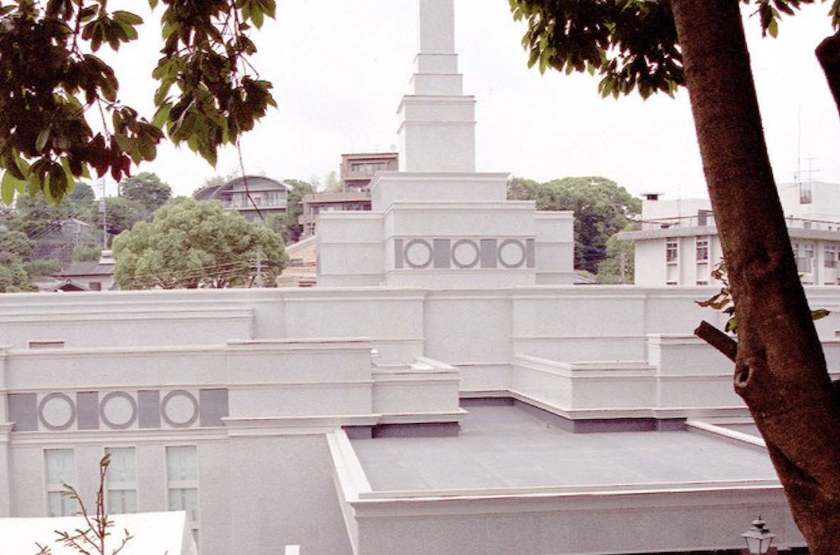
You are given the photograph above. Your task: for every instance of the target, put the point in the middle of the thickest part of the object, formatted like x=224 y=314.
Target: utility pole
x=258 y=279
x=103 y=207
x=622 y=267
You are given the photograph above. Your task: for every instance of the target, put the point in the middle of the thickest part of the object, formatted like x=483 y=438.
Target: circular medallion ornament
x=465 y=253
x=512 y=253
x=57 y=411
x=118 y=410
x=179 y=408
x=418 y=254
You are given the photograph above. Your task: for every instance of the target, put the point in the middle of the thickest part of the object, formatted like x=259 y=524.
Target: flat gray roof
x=505 y=446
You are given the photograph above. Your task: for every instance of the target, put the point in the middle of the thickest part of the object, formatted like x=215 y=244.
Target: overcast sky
x=340 y=67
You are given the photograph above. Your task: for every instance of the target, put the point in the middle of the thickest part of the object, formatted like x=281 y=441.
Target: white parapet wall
x=254 y=379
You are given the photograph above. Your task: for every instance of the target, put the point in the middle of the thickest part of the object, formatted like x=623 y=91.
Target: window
x=702 y=244
x=182 y=481
x=671 y=251
x=804 y=255
x=830 y=255
x=60 y=469
x=369 y=168
x=121 y=481
x=705 y=217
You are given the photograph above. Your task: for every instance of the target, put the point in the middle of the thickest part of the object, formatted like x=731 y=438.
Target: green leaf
x=57 y=182
x=819 y=313
x=10 y=185
x=162 y=115
x=42 y=139
x=127 y=17
x=773 y=28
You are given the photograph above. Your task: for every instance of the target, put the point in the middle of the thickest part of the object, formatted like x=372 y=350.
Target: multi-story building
x=255 y=197
x=357 y=171
x=678 y=242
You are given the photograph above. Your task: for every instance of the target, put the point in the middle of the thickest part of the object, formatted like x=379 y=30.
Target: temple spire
x=437 y=129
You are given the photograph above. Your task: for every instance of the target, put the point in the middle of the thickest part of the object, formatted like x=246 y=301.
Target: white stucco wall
x=298 y=364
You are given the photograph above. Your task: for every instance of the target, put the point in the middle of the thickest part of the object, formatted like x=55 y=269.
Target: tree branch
x=717 y=339
x=828 y=54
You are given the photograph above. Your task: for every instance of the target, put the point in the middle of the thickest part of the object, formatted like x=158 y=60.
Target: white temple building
x=443 y=391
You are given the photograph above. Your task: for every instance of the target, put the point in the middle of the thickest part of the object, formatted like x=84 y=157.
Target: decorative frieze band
x=118 y=410
x=466 y=253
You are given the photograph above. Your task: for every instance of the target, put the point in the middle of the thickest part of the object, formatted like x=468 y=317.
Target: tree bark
x=828 y=54
x=780 y=369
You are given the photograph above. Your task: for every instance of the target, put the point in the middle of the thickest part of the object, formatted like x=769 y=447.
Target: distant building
x=92 y=275
x=255 y=197
x=357 y=171
x=678 y=243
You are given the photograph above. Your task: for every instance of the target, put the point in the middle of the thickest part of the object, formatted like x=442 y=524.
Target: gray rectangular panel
x=489 y=258
x=23 y=411
x=148 y=407
x=399 y=262
x=530 y=254
x=442 y=250
x=212 y=406
x=87 y=410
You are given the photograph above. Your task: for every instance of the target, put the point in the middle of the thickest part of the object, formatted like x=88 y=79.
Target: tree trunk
x=828 y=54
x=780 y=369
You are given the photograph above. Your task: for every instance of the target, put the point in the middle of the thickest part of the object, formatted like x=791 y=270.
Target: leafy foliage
x=15 y=248
x=87 y=254
x=602 y=208
x=121 y=214
x=723 y=302
x=205 y=55
x=35 y=217
x=16 y=243
x=146 y=189
x=294 y=209
x=60 y=118
x=631 y=44
x=43 y=267
x=618 y=266
x=193 y=244
x=13 y=275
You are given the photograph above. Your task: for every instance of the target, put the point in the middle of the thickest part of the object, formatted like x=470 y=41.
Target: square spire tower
x=437 y=121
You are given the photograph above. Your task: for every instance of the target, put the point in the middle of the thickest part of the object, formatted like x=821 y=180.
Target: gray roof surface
x=749 y=429
x=87 y=268
x=505 y=447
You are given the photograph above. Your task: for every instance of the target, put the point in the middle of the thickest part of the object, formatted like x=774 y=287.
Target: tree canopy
x=62 y=118
x=294 y=209
x=146 y=189
x=602 y=208
x=780 y=368
x=618 y=267
x=633 y=45
x=192 y=244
